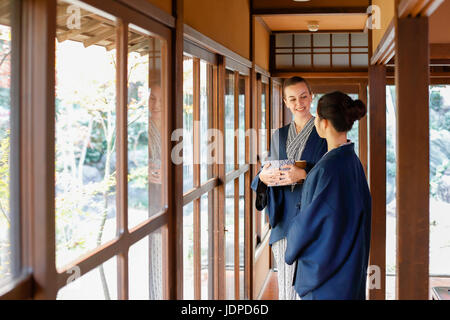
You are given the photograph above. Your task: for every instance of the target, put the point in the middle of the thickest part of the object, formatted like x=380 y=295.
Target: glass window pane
x=229 y=120
x=241 y=237
x=206 y=240
x=360 y=39
x=283 y=40
x=302 y=40
x=242 y=107
x=145 y=127
x=440 y=184
x=188 y=124
x=98 y=284
x=321 y=40
x=9 y=214
x=283 y=60
x=322 y=60
x=340 y=60
x=263 y=125
x=229 y=241
x=360 y=60
x=85 y=136
x=205 y=119
x=302 y=60
x=340 y=39
x=145 y=267
x=391 y=158
x=188 y=251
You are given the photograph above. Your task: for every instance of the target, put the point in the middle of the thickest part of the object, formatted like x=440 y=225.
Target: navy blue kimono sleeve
x=261 y=189
x=322 y=235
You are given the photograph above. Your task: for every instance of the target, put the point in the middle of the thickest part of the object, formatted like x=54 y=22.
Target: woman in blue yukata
x=279 y=191
x=329 y=238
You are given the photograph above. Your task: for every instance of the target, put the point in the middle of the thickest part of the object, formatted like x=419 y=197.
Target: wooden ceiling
x=332 y=15
x=440 y=24
x=355 y=21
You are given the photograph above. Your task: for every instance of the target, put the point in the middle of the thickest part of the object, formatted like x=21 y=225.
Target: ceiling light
x=301 y=0
x=313 y=26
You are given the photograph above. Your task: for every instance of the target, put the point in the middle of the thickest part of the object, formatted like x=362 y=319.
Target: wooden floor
x=270 y=291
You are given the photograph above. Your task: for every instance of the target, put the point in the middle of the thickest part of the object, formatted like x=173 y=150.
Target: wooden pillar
x=377 y=179
x=412 y=81
x=362 y=132
x=175 y=172
x=38 y=143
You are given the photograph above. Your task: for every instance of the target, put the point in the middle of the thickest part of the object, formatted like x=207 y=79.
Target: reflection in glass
x=188 y=124
x=145 y=269
x=229 y=121
x=85 y=135
x=8 y=132
x=241 y=237
x=188 y=251
x=229 y=240
x=204 y=246
x=205 y=118
x=145 y=121
x=241 y=120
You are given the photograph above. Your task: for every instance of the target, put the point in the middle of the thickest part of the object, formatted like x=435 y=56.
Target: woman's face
x=298 y=99
x=155 y=101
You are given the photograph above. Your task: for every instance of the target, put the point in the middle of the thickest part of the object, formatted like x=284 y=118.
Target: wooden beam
x=122 y=154
x=321 y=75
x=414 y=8
x=308 y=11
x=412 y=81
x=175 y=172
x=105 y=35
x=196 y=179
x=386 y=42
x=439 y=51
x=38 y=142
x=86 y=27
x=362 y=132
x=377 y=175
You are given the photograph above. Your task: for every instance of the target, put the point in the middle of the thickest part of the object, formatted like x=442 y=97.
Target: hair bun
x=356 y=110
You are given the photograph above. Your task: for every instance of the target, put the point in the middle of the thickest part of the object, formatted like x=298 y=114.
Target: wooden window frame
x=37 y=155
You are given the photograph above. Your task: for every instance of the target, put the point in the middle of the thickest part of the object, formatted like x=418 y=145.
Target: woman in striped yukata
x=278 y=190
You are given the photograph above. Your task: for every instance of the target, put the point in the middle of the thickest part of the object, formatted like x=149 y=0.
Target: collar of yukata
x=344 y=144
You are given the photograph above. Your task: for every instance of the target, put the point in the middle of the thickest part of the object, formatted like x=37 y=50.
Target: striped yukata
x=295 y=145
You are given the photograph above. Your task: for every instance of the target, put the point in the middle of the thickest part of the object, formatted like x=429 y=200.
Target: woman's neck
x=335 y=141
x=301 y=122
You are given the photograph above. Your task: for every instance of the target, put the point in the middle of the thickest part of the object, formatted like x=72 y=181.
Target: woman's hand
x=270 y=177
x=291 y=174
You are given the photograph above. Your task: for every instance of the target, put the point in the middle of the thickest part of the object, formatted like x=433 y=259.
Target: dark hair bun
x=341 y=110
x=356 y=110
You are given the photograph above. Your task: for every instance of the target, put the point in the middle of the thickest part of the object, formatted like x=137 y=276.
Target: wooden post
x=362 y=132
x=38 y=143
x=122 y=154
x=175 y=172
x=377 y=177
x=412 y=81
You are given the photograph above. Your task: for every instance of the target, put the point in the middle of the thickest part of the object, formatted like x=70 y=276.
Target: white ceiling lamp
x=313 y=26
x=302 y=0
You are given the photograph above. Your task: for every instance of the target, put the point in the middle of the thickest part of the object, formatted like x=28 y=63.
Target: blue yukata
x=282 y=202
x=330 y=235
